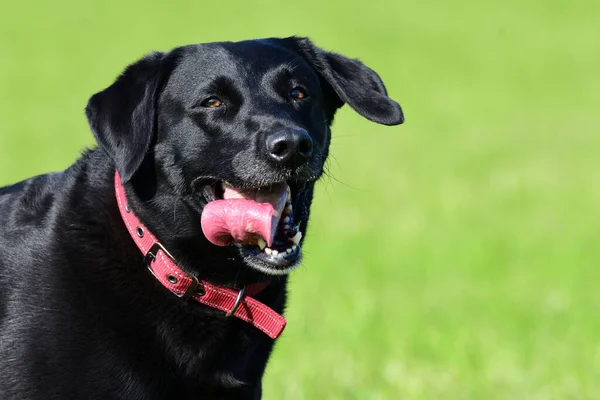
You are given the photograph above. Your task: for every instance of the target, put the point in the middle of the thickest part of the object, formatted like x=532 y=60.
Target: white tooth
x=268 y=250
x=261 y=243
x=289 y=208
x=275 y=252
x=286 y=220
x=289 y=251
x=286 y=226
x=294 y=247
x=297 y=237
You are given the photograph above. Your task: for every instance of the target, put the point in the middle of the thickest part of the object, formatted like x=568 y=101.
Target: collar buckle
x=193 y=288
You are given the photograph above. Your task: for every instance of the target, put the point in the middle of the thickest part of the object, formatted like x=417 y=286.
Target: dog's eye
x=298 y=93
x=211 y=102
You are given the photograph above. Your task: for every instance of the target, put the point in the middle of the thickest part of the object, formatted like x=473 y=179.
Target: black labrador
x=81 y=317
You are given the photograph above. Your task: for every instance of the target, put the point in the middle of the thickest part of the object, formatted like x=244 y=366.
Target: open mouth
x=261 y=222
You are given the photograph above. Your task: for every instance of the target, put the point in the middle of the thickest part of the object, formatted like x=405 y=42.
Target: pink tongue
x=244 y=215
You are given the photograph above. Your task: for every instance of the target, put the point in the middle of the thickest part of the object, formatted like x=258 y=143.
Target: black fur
x=80 y=316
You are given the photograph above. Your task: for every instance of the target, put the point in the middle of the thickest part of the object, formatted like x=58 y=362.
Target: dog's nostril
x=305 y=146
x=279 y=148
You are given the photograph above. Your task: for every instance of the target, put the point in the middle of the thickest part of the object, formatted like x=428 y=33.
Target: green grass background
x=453 y=257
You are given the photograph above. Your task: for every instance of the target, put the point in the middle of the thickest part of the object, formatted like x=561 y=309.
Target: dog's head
x=240 y=132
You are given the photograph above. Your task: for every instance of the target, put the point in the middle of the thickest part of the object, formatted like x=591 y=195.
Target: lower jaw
x=279 y=260
x=268 y=267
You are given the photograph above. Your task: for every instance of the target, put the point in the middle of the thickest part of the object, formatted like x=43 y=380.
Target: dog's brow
x=221 y=83
x=284 y=73
x=292 y=65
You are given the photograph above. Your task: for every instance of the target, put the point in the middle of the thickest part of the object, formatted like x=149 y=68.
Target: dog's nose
x=290 y=148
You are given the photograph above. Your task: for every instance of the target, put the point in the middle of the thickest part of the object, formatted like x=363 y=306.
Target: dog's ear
x=122 y=116
x=350 y=81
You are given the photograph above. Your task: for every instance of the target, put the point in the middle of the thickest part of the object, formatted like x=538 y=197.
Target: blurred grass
x=453 y=257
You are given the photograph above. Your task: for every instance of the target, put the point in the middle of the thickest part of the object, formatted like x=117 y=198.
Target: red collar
x=162 y=265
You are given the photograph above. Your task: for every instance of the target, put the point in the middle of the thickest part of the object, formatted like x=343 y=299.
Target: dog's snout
x=290 y=148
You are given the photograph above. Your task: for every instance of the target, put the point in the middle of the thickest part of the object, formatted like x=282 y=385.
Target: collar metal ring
x=240 y=296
